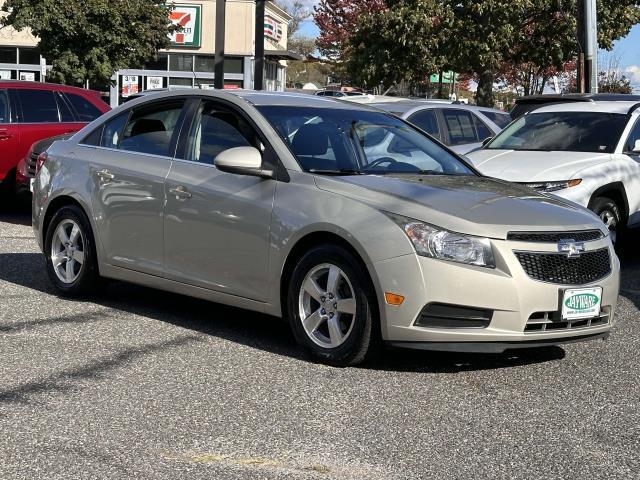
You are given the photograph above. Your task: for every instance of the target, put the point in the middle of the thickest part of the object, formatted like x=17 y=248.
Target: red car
x=32 y=111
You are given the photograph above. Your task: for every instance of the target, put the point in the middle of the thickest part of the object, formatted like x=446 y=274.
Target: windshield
x=332 y=140
x=562 y=131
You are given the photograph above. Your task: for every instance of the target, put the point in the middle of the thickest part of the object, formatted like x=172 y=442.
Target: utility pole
x=258 y=73
x=218 y=69
x=588 y=48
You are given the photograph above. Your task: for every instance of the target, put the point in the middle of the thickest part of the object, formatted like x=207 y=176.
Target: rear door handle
x=105 y=175
x=180 y=192
x=4 y=135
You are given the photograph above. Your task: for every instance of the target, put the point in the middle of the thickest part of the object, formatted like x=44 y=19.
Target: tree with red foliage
x=337 y=20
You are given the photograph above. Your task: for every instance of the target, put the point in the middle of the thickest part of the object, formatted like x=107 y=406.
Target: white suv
x=585 y=152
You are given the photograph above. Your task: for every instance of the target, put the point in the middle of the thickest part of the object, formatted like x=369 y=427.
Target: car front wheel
x=609 y=213
x=331 y=307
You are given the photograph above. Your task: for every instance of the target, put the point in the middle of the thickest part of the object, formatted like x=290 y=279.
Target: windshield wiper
x=337 y=171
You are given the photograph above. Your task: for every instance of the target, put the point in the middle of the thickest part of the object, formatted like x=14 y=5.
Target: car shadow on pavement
x=15 y=209
x=252 y=329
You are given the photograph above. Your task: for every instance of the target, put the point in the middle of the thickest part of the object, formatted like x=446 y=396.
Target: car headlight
x=553 y=186
x=434 y=242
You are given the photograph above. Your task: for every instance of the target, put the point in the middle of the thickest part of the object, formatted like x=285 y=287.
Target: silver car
x=461 y=127
x=290 y=205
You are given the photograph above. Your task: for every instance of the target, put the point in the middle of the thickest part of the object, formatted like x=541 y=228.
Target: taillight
x=40 y=161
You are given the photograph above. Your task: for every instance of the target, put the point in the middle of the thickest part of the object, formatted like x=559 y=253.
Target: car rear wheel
x=609 y=213
x=70 y=253
x=331 y=307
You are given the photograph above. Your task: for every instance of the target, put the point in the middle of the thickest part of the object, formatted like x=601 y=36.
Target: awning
x=282 y=55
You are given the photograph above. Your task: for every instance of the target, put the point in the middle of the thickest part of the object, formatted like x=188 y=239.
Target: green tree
x=478 y=37
x=398 y=44
x=91 y=39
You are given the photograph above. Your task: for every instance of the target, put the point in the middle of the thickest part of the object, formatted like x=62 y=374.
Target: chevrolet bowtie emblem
x=571 y=248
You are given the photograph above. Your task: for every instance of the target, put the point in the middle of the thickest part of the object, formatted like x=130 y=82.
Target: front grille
x=550 y=322
x=555 y=237
x=559 y=268
x=32 y=159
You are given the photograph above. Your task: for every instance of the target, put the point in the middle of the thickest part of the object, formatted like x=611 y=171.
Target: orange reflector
x=393 y=298
x=574 y=182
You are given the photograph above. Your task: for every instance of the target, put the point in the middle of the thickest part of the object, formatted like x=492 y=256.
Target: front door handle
x=105 y=175
x=180 y=192
x=4 y=135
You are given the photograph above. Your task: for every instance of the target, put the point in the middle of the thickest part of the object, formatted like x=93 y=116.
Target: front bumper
x=514 y=298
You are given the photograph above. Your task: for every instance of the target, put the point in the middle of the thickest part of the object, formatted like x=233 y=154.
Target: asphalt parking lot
x=151 y=385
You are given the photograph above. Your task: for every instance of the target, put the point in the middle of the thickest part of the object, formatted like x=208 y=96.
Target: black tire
x=88 y=279
x=610 y=214
x=363 y=339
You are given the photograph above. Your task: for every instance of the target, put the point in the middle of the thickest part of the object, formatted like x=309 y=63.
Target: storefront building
x=189 y=62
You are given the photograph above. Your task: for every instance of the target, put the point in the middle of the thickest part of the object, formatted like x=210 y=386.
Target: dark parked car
x=27 y=167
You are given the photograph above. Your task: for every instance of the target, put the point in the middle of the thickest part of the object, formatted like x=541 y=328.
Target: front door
x=128 y=172
x=217 y=223
x=9 y=139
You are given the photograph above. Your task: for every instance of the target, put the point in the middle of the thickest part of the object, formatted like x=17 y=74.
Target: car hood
x=531 y=166
x=465 y=204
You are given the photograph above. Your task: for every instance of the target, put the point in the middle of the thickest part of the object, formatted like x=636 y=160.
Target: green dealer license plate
x=581 y=303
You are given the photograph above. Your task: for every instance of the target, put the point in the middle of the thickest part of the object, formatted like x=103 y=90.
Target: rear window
x=38 y=106
x=87 y=111
x=563 y=131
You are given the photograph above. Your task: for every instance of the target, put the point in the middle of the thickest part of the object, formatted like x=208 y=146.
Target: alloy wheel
x=610 y=219
x=67 y=251
x=327 y=305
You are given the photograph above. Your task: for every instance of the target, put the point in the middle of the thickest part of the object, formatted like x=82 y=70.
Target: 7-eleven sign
x=187 y=17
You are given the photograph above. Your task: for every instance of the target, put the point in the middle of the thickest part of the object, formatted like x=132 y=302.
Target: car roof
x=258 y=98
x=605 y=107
x=576 y=97
x=291 y=99
x=46 y=86
x=415 y=105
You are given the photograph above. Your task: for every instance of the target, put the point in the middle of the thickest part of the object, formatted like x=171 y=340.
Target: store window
x=205 y=63
x=159 y=63
x=180 y=82
x=233 y=65
x=8 y=55
x=179 y=62
x=29 y=56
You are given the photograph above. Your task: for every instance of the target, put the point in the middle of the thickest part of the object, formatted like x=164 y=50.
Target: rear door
x=9 y=137
x=128 y=171
x=217 y=224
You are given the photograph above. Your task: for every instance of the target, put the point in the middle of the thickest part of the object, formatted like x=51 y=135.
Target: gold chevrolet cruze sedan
x=354 y=225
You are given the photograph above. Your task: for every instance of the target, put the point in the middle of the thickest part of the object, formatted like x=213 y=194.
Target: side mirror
x=486 y=140
x=242 y=161
x=636 y=146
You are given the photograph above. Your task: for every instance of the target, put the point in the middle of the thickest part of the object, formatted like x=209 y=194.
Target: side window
x=150 y=128
x=482 y=129
x=38 y=106
x=63 y=107
x=500 y=119
x=460 y=126
x=111 y=132
x=215 y=129
x=633 y=137
x=428 y=121
x=87 y=111
x=4 y=106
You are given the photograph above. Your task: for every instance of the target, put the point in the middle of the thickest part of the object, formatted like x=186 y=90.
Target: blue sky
x=626 y=50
